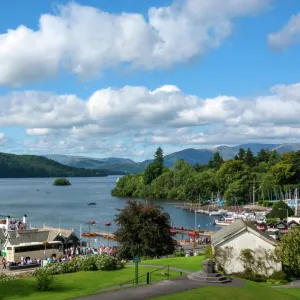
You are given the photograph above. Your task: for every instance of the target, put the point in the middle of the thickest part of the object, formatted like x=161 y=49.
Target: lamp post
x=287 y=213
x=107 y=224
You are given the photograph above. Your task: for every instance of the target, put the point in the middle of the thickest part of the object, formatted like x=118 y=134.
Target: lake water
x=65 y=207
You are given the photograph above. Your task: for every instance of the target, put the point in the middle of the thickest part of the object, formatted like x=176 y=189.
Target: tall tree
x=216 y=162
x=249 y=158
x=156 y=168
x=241 y=154
x=143 y=230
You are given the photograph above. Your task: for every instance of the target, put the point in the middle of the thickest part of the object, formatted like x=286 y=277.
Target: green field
x=251 y=291
x=191 y=263
x=69 y=286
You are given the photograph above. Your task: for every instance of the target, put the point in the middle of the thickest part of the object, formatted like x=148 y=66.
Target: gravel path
x=158 y=289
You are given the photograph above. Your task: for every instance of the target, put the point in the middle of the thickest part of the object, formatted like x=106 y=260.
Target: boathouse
x=66 y=236
x=237 y=239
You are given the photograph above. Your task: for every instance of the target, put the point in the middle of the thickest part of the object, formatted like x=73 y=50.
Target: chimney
x=25 y=221
x=7 y=222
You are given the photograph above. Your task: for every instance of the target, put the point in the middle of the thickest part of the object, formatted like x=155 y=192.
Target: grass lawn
x=69 y=286
x=191 y=263
x=251 y=291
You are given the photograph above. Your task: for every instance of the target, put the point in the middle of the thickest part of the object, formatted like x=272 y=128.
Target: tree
x=279 y=210
x=61 y=181
x=263 y=156
x=283 y=173
x=143 y=230
x=249 y=158
x=241 y=154
x=156 y=168
x=216 y=162
x=288 y=250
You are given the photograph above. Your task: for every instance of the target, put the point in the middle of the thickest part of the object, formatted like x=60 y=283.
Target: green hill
x=26 y=166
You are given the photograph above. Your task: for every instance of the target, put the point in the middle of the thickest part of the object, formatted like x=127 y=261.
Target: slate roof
x=2 y=236
x=235 y=227
x=27 y=236
x=54 y=232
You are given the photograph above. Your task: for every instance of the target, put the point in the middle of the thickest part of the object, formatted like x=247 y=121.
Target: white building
x=233 y=239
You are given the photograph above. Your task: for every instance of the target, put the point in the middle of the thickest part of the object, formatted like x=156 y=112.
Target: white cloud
x=85 y=40
x=136 y=118
x=39 y=131
x=2 y=139
x=286 y=36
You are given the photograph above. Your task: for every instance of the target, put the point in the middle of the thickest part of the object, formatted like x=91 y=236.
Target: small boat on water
x=224 y=221
x=118 y=179
x=92 y=203
x=219 y=212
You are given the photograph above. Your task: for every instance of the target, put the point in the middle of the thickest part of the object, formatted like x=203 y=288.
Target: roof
x=2 y=235
x=54 y=232
x=228 y=231
x=27 y=236
x=235 y=228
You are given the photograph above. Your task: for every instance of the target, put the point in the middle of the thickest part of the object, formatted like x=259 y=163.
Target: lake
x=65 y=207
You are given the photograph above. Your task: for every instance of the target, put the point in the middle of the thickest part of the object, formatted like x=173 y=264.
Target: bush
x=276 y=282
x=251 y=276
x=278 y=275
x=208 y=253
x=44 y=280
x=6 y=277
x=179 y=253
x=84 y=263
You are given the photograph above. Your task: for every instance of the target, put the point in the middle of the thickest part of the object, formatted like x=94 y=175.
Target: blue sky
x=196 y=74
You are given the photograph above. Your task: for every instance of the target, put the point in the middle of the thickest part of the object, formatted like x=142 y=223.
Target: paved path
x=161 y=267
x=158 y=289
x=293 y=285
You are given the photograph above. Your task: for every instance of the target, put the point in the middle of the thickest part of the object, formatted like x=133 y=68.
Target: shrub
x=6 y=277
x=278 y=275
x=208 y=253
x=106 y=263
x=84 y=263
x=179 y=253
x=251 y=276
x=44 y=280
x=276 y=281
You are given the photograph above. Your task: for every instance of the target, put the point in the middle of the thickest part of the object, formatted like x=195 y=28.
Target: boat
x=118 y=179
x=224 y=221
x=92 y=203
x=219 y=212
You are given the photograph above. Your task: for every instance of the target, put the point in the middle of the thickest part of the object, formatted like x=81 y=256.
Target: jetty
x=105 y=235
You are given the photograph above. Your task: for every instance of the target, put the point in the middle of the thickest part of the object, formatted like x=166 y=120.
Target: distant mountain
x=27 y=166
x=192 y=156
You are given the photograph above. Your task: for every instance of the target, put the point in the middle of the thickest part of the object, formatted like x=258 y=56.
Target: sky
x=104 y=78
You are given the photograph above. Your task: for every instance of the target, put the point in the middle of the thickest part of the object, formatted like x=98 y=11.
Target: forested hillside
x=271 y=176
x=22 y=166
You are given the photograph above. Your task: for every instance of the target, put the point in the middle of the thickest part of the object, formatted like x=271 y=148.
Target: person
x=4 y=263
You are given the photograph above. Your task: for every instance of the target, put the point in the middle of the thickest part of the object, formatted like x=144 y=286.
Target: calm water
x=65 y=206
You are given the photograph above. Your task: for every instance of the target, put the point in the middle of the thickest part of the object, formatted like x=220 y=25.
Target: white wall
x=245 y=240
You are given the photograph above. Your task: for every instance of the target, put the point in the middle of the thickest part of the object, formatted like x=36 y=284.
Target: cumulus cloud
x=85 y=40
x=286 y=36
x=136 y=116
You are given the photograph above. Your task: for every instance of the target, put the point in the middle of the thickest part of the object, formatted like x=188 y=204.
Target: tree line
x=271 y=176
x=27 y=166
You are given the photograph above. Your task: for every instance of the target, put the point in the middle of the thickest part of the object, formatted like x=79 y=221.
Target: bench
x=23 y=267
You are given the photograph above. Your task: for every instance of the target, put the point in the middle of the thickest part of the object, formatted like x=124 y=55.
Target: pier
x=106 y=235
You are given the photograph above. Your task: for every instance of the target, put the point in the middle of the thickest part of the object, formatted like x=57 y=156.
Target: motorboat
x=223 y=221
x=219 y=212
x=92 y=203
